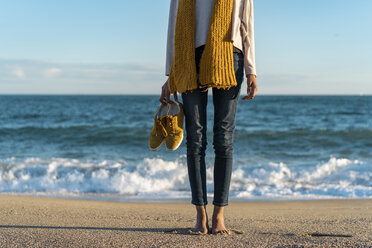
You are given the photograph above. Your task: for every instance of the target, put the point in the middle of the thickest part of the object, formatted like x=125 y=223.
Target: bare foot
x=201 y=221
x=218 y=221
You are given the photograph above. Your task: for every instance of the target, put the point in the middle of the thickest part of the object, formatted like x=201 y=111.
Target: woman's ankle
x=218 y=211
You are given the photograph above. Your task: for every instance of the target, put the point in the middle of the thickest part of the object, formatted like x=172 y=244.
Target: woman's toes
x=223 y=231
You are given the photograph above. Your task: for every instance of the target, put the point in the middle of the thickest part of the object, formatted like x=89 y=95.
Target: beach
x=293 y=162
x=47 y=222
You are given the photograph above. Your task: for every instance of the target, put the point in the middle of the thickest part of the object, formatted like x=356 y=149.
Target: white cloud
x=51 y=72
x=138 y=78
x=73 y=78
x=18 y=72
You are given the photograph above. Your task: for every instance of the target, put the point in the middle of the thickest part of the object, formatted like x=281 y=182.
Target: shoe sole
x=177 y=145
x=157 y=148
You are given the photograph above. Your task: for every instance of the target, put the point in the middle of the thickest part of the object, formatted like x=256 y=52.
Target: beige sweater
x=242 y=30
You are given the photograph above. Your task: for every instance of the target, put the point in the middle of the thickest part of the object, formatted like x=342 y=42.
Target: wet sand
x=44 y=222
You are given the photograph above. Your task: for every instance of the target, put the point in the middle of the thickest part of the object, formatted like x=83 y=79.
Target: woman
x=210 y=44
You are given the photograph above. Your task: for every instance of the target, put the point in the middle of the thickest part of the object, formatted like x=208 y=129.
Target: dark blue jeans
x=195 y=109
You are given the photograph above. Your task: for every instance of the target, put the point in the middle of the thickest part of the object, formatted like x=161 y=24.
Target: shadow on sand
x=316 y=234
x=182 y=231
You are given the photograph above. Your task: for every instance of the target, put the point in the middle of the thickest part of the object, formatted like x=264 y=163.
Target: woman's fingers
x=251 y=89
x=165 y=94
x=251 y=93
x=162 y=97
x=175 y=96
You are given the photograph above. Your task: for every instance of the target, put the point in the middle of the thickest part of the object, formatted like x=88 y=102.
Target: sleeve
x=171 y=31
x=247 y=29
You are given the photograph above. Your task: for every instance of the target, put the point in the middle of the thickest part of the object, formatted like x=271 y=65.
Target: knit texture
x=217 y=62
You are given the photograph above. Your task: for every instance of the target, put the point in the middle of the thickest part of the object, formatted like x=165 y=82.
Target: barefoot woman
x=210 y=45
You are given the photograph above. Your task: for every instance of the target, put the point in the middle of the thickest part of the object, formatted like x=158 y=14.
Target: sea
x=96 y=147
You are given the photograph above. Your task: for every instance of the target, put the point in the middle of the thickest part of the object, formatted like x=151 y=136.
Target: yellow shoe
x=174 y=126
x=158 y=132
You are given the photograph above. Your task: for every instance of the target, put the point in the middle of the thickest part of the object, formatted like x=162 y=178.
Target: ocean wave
x=72 y=175
x=158 y=178
x=242 y=133
x=336 y=178
x=83 y=134
x=116 y=134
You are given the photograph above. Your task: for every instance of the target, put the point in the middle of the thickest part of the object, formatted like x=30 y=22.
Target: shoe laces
x=166 y=121
x=172 y=121
x=160 y=128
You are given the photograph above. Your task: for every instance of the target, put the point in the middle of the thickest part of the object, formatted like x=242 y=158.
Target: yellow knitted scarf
x=217 y=62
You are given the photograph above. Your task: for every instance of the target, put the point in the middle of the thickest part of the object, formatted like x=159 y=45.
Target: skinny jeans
x=195 y=111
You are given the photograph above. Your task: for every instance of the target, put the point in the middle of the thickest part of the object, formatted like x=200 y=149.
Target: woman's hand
x=251 y=87
x=165 y=94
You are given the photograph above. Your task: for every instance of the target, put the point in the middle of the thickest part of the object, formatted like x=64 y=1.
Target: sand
x=44 y=222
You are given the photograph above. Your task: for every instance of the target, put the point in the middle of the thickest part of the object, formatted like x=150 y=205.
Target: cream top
x=242 y=30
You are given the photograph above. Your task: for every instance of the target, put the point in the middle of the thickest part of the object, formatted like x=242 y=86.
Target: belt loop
x=237 y=50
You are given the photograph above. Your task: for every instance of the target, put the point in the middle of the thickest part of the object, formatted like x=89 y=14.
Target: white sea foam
x=158 y=178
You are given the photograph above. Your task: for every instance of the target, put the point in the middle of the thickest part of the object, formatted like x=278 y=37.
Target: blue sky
x=119 y=47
